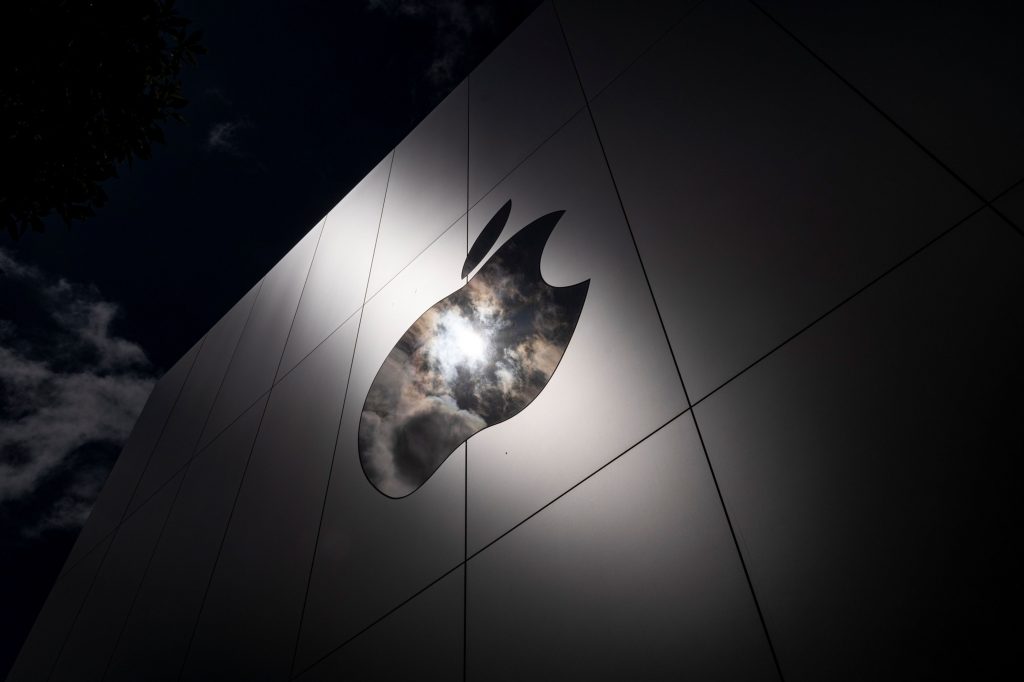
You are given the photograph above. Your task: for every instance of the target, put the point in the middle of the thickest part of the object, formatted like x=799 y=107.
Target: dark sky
x=292 y=104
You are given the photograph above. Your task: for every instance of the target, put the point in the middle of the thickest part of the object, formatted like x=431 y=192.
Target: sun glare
x=470 y=343
x=459 y=343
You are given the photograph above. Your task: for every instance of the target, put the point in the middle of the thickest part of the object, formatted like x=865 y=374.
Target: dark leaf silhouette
x=86 y=87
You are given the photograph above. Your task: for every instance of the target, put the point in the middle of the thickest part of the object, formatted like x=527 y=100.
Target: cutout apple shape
x=472 y=360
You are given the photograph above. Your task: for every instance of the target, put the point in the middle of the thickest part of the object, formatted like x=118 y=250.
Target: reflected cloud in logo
x=474 y=359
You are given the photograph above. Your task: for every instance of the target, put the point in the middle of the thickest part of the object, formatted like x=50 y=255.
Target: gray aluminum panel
x=761 y=191
x=518 y=97
x=427 y=189
x=250 y=620
x=950 y=73
x=631 y=575
x=872 y=468
x=606 y=36
x=259 y=350
x=1012 y=206
x=420 y=641
x=161 y=621
x=337 y=279
x=179 y=440
x=98 y=626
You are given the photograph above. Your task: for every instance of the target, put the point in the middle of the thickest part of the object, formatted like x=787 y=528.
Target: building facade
x=760 y=417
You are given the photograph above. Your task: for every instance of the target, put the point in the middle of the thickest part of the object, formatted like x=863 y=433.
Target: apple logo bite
x=474 y=359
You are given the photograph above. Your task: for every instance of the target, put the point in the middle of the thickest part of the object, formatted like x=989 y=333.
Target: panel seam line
x=337 y=434
x=881 y=112
x=668 y=343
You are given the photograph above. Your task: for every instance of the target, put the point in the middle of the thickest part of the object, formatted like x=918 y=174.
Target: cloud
x=453 y=23
x=89 y=322
x=70 y=510
x=68 y=386
x=12 y=268
x=223 y=137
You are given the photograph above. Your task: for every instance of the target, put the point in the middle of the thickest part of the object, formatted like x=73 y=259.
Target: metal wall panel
x=761 y=190
x=631 y=575
x=258 y=354
x=420 y=641
x=872 y=468
x=1012 y=206
x=92 y=640
x=185 y=425
x=426 y=191
x=518 y=97
x=250 y=619
x=338 y=276
x=163 y=617
x=606 y=36
x=949 y=73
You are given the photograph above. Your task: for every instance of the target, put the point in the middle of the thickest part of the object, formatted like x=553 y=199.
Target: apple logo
x=473 y=360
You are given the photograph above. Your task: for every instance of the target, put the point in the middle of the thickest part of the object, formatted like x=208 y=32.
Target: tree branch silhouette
x=86 y=86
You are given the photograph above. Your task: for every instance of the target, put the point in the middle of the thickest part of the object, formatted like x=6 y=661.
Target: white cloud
x=12 y=268
x=72 y=385
x=90 y=320
x=71 y=509
x=223 y=137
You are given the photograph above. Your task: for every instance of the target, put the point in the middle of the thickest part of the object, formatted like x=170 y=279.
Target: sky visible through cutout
x=474 y=359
